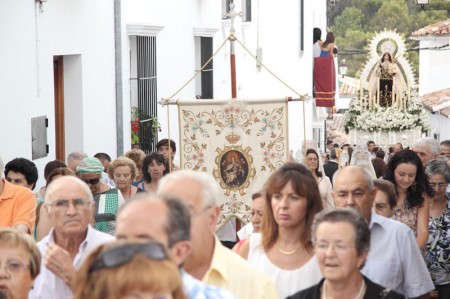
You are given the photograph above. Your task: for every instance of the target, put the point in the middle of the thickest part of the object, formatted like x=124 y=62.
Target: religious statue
x=387 y=83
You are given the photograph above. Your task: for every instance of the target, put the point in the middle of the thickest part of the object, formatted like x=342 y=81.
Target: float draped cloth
x=324 y=81
x=240 y=142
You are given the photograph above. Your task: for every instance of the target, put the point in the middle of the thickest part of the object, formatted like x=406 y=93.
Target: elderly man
x=394 y=259
x=427 y=149
x=210 y=261
x=445 y=148
x=17 y=205
x=167 y=221
x=74 y=158
x=69 y=204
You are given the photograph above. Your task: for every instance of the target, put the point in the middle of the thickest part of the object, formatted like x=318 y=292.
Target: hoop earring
x=414 y=187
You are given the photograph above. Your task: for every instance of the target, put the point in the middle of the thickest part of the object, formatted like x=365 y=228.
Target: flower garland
x=386 y=119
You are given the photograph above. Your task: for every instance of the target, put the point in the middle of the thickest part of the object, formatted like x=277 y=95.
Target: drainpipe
x=119 y=87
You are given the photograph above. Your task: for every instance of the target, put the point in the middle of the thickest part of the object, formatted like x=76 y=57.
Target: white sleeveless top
x=287 y=282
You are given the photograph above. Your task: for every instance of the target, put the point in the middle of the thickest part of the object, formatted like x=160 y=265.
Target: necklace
x=360 y=294
x=288 y=252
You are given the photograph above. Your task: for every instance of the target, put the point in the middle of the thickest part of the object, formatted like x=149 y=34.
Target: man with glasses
x=210 y=261
x=69 y=204
x=165 y=220
x=17 y=205
x=107 y=200
x=394 y=260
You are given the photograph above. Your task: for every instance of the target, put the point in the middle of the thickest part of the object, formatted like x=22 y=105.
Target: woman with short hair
x=438 y=248
x=342 y=241
x=385 y=199
x=20 y=263
x=123 y=171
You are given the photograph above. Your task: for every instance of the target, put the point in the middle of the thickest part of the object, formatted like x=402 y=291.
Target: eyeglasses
x=439 y=185
x=14 y=267
x=92 y=181
x=194 y=214
x=122 y=255
x=338 y=248
x=78 y=204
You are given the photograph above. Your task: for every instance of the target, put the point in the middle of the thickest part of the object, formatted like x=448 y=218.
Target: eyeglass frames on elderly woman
x=14 y=267
x=118 y=256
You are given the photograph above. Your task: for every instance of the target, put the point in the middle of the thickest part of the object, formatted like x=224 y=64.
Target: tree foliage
x=355 y=22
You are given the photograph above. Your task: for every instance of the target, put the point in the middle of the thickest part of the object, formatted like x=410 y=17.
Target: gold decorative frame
x=217 y=172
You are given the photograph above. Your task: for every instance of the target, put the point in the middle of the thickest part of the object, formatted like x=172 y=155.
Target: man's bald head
x=353 y=187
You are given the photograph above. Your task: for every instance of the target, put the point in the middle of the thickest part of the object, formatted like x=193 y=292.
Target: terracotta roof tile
x=438 y=29
x=435 y=98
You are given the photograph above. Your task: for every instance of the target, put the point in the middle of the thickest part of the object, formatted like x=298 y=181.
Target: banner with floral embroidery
x=240 y=142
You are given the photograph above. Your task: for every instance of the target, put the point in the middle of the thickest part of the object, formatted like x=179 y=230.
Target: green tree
x=350 y=19
x=391 y=15
x=355 y=22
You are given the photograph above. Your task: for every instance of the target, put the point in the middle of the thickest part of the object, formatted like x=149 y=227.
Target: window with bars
x=246 y=10
x=143 y=81
x=204 y=51
x=302 y=27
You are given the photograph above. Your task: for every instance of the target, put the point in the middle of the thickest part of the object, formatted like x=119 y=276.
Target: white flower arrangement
x=386 y=119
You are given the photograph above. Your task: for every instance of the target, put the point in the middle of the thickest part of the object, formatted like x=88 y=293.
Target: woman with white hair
x=342 y=240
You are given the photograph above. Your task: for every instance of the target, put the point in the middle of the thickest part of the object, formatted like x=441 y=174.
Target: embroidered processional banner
x=240 y=142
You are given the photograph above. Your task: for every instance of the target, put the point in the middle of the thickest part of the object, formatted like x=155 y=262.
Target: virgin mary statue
x=387 y=82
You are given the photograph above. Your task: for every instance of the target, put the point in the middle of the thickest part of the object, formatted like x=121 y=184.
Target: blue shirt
x=395 y=260
x=195 y=289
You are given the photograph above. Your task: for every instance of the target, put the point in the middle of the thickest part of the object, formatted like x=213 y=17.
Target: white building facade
x=58 y=62
x=434 y=83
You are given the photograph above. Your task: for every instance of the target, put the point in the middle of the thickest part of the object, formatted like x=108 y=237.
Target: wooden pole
x=233 y=68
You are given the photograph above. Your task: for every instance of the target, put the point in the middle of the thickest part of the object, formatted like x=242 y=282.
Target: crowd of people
x=139 y=227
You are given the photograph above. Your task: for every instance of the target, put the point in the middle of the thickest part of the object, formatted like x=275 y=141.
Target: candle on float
x=409 y=95
x=360 y=93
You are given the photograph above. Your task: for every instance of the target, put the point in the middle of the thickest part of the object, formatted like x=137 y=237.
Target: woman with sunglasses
x=129 y=270
x=107 y=200
x=20 y=263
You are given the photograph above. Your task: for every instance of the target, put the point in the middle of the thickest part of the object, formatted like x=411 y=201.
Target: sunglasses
x=118 y=256
x=92 y=182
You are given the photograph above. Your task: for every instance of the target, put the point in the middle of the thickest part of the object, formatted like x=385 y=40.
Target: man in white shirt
x=69 y=204
x=394 y=260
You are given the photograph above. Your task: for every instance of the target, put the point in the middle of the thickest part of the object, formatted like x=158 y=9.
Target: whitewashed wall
x=434 y=65
x=439 y=124
x=81 y=30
